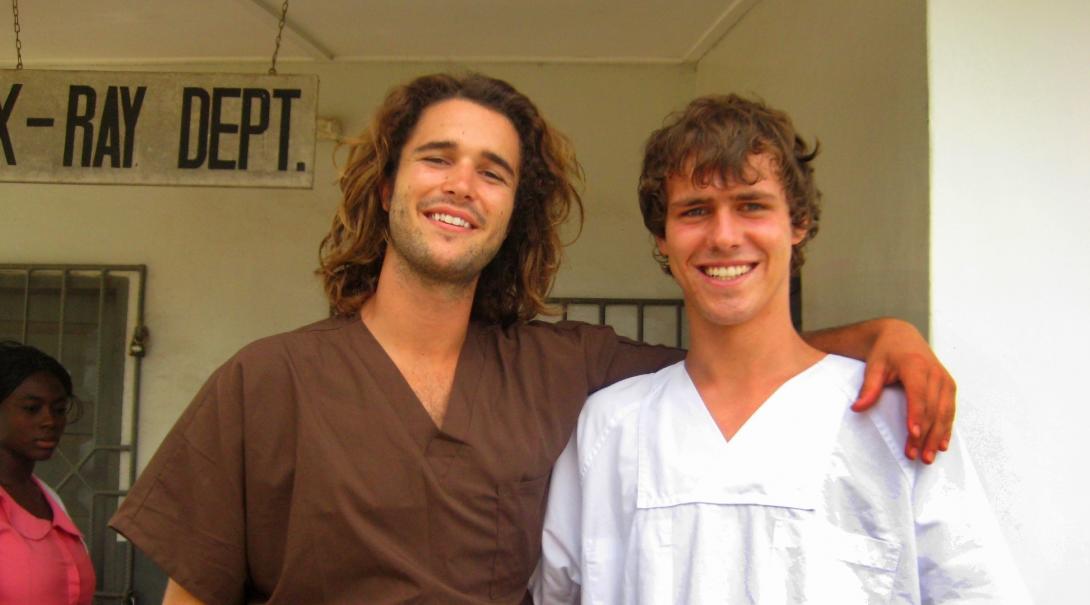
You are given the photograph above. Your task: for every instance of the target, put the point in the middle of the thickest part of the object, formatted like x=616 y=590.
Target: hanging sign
x=126 y=127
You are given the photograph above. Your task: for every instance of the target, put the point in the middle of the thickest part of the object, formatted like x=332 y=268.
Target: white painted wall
x=226 y=266
x=1010 y=268
x=853 y=74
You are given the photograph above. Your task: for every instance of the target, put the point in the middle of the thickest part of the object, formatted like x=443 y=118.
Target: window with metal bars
x=651 y=320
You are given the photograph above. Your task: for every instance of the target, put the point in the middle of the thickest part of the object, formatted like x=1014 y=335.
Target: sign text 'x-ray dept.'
x=157 y=128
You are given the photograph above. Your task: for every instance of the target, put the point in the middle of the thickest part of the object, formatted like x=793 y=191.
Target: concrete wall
x=1010 y=289
x=226 y=266
x=853 y=74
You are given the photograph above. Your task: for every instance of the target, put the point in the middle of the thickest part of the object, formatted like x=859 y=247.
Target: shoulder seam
x=610 y=427
x=888 y=438
x=612 y=424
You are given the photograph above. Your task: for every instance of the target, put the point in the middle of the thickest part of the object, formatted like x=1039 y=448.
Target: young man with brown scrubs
x=399 y=452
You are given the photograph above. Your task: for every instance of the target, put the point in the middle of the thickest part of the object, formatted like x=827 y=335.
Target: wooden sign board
x=236 y=130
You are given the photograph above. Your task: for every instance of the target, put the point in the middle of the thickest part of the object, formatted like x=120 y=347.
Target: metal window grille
x=653 y=320
x=85 y=316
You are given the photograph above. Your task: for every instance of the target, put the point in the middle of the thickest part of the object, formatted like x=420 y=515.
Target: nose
x=54 y=416
x=725 y=232
x=49 y=417
x=459 y=180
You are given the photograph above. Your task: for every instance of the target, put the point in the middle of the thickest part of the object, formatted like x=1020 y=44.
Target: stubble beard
x=412 y=246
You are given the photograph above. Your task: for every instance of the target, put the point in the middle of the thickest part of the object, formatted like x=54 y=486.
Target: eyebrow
x=742 y=196
x=28 y=398
x=752 y=194
x=686 y=202
x=491 y=156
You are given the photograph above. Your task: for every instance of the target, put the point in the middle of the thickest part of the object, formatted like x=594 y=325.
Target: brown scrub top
x=307 y=471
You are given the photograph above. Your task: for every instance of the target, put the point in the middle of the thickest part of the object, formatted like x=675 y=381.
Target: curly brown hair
x=715 y=136
x=514 y=285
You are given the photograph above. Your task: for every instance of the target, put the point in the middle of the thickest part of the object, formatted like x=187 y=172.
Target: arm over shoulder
x=612 y=358
x=961 y=554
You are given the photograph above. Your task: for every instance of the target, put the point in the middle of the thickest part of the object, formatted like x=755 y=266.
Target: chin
x=37 y=454
x=721 y=310
x=721 y=318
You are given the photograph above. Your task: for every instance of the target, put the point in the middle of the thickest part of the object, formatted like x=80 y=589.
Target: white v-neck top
x=807 y=503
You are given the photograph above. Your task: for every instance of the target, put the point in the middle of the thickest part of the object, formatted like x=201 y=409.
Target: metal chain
x=279 y=33
x=18 y=42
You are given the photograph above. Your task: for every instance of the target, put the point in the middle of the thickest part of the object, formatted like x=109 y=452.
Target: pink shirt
x=43 y=562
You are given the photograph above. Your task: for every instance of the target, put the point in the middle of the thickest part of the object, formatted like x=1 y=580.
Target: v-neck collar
x=777 y=458
x=406 y=405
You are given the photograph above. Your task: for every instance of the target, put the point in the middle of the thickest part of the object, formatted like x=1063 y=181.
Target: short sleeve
x=186 y=511
x=963 y=557
x=961 y=554
x=557 y=578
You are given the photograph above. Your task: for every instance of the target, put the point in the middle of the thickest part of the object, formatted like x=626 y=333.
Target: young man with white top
x=740 y=475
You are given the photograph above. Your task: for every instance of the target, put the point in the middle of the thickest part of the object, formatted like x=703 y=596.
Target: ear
x=798 y=234
x=384 y=191
x=660 y=242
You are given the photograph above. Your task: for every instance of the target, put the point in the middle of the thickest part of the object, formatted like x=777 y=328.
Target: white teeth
x=450 y=220
x=727 y=272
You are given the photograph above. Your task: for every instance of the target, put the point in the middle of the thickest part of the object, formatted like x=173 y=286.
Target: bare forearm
x=176 y=595
x=853 y=340
x=895 y=351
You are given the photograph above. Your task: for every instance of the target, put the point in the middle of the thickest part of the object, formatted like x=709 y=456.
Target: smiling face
x=729 y=245
x=33 y=417
x=454 y=192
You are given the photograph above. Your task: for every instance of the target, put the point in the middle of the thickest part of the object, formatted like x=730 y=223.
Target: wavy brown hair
x=514 y=285
x=715 y=136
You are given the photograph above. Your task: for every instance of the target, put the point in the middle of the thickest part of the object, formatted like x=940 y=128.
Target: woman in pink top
x=42 y=556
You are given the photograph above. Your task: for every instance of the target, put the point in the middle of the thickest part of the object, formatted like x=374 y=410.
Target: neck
x=410 y=313
x=14 y=469
x=736 y=368
x=746 y=359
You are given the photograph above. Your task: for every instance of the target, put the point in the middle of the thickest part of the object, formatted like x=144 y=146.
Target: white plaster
x=1010 y=126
